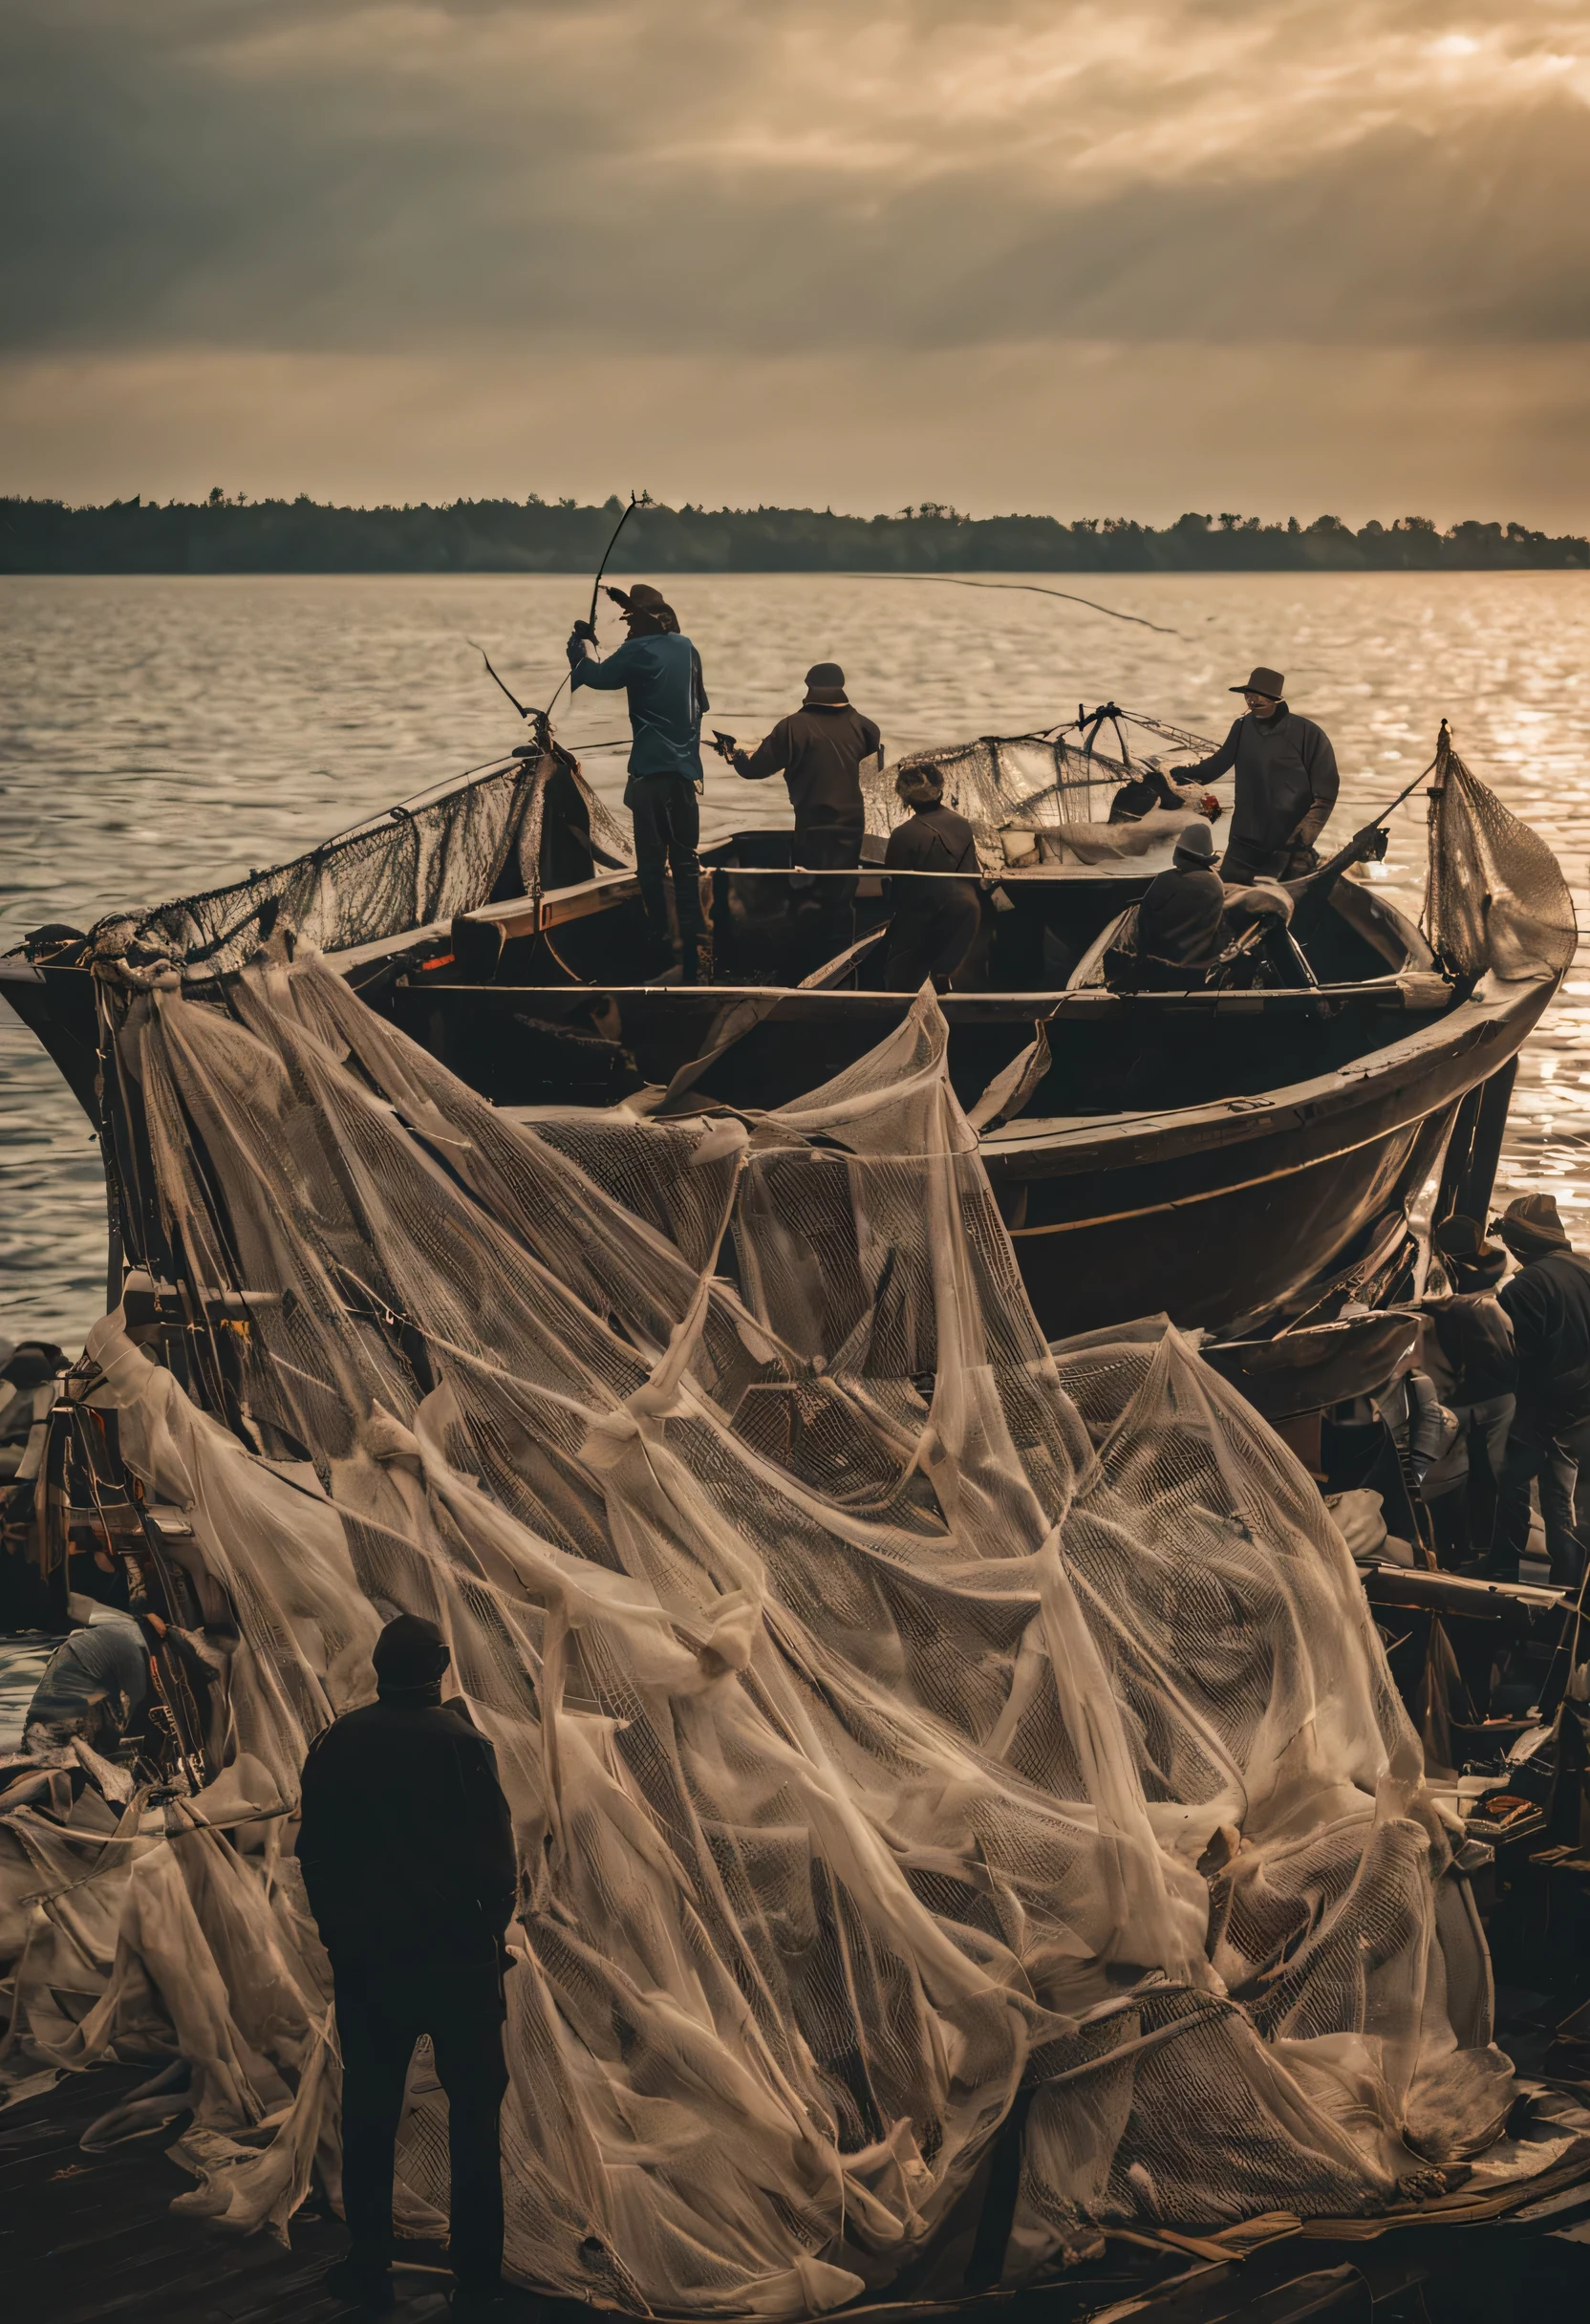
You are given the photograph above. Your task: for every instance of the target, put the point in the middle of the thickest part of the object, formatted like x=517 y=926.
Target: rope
x=1033 y=589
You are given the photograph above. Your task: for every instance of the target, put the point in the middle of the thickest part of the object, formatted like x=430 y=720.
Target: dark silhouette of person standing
x=408 y=1858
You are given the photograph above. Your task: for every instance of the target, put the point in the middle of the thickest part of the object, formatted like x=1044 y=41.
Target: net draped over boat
x=1494 y=896
x=914 y=1738
x=413 y=869
x=1033 y=781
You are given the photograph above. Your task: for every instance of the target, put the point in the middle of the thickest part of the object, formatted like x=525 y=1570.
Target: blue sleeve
x=609 y=676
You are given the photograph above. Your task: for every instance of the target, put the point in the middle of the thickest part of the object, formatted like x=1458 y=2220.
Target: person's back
x=405 y=1844
x=96 y=1679
x=933 y=923
x=1182 y=916
x=1548 y=1303
x=820 y=751
x=935 y=839
x=407 y=1854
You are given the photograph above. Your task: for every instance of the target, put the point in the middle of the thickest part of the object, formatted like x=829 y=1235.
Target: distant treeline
x=233 y=534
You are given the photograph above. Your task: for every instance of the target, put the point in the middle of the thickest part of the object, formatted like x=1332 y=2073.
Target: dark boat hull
x=1225 y=1214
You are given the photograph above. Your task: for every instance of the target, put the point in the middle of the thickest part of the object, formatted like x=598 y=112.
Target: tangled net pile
x=910 y=1732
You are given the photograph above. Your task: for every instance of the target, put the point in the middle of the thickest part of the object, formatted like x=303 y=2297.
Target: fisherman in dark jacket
x=1286 y=784
x=1548 y=1303
x=820 y=751
x=661 y=673
x=408 y=1858
x=933 y=924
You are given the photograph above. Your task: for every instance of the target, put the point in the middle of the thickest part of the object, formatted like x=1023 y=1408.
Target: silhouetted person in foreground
x=933 y=923
x=408 y=1858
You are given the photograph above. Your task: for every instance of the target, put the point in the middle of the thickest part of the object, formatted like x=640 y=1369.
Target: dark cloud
x=880 y=192
x=353 y=177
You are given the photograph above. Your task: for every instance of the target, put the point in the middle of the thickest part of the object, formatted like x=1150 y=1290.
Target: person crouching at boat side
x=660 y=671
x=1548 y=1303
x=1182 y=918
x=933 y=924
x=1286 y=784
x=96 y=1681
x=820 y=751
x=407 y=1853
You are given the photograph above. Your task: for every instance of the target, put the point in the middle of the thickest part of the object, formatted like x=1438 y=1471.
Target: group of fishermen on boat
x=1286 y=788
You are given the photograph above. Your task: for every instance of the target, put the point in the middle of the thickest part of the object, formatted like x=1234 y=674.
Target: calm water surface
x=163 y=736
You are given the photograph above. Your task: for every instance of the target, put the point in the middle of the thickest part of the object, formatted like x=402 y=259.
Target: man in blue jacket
x=1286 y=784
x=660 y=671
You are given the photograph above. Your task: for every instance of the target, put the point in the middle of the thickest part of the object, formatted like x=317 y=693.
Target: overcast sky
x=1145 y=255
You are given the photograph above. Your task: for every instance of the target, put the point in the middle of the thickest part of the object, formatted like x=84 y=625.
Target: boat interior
x=552 y=1006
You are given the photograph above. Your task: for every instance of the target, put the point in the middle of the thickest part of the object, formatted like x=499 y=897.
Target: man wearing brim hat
x=1548 y=1303
x=820 y=751
x=1286 y=784
x=661 y=673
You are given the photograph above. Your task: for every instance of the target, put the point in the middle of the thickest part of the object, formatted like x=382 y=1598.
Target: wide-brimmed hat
x=1261 y=682
x=1195 y=845
x=1531 y=1227
x=825 y=682
x=921 y=785
x=643 y=598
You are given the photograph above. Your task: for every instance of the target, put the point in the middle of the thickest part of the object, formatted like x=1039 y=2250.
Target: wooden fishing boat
x=1239 y=1157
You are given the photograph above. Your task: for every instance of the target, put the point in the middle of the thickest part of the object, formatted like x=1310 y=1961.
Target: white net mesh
x=502 y=833
x=1037 y=781
x=900 y=1721
x=1495 y=895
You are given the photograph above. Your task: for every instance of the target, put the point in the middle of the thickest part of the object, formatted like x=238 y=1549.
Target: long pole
x=637 y=500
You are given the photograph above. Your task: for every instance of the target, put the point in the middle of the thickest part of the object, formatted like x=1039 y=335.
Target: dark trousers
x=1244 y=862
x=667 y=812
x=1536 y=1451
x=824 y=910
x=932 y=940
x=380 y=2014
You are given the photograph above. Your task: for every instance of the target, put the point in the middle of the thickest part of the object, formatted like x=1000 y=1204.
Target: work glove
x=581 y=637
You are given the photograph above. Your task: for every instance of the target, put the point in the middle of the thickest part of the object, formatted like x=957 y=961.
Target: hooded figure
x=1548 y=1303
x=1286 y=784
x=660 y=671
x=408 y=1860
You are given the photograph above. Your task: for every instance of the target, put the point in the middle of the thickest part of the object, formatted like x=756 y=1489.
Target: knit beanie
x=410 y=1656
x=1531 y=1227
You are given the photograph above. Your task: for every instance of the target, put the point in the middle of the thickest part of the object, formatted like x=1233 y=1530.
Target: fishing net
x=530 y=823
x=1494 y=895
x=917 y=1739
x=1040 y=781
x=1027 y=784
